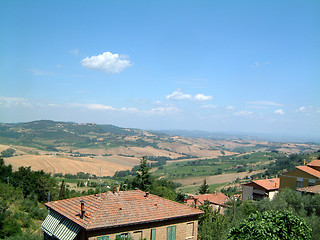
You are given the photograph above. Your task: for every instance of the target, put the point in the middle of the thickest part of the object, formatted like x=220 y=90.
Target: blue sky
x=244 y=66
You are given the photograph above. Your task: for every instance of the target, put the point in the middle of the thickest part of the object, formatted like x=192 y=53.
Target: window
x=153 y=234
x=299 y=182
x=103 y=238
x=190 y=230
x=312 y=182
x=137 y=235
x=171 y=233
x=123 y=236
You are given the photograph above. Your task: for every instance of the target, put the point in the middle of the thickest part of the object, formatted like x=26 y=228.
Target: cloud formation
x=279 y=112
x=265 y=103
x=164 y=110
x=179 y=95
x=106 y=62
x=243 y=113
x=74 y=52
x=209 y=106
x=14 y=101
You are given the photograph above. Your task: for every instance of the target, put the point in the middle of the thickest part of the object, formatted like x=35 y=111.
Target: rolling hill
x=69 y=147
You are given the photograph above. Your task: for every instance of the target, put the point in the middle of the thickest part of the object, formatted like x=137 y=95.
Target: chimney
x=195 y=202
x=82 y=209
x=147 y=195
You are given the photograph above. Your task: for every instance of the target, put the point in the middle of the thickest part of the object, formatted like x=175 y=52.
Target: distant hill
x=238 y=135
x=70 y=147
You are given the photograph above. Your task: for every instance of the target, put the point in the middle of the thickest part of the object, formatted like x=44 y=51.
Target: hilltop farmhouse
x=124 y=214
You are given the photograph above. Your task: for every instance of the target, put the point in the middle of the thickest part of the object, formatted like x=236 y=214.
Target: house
x=302 y=176
x=122 y=214
x=218 y=200
x=312 y=190
x=315 y=164
x=258 y=189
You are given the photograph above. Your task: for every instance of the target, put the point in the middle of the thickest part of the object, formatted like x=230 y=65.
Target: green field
x=225 y=164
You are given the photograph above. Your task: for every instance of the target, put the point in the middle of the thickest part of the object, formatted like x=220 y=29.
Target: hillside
x=68 y=147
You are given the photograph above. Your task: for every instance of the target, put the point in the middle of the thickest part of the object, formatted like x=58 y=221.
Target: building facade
x=259 y=189
x=302 y=176
x=123 y=214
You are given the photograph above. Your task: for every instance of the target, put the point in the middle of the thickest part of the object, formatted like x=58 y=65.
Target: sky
x=221 y=66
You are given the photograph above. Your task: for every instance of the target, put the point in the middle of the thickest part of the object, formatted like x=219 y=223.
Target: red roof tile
x=314 y=163
x=268 y=184
x=309 y=170
x=123 y=208
x=215 y=198
x=311 y=189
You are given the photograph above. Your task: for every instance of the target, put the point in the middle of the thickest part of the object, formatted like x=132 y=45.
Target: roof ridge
x=102 y=199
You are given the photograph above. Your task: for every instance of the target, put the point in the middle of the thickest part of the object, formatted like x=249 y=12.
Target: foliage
x=8 y=152
x=37 y=182
x=272 y=225
x=212 y=224
x=143 y=179
x=204 y=188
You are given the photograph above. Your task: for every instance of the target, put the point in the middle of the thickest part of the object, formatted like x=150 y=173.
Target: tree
x=62 y=193
x=143 y=179
x=204 y=188
x=272 y=225
x=8 y=152
x=212 y=224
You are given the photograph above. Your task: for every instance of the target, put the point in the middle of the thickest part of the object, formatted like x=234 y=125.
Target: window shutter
x=174 y=228
x=153 y=234
x=169 y=232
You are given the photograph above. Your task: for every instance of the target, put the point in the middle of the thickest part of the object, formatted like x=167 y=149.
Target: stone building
x=122 y=214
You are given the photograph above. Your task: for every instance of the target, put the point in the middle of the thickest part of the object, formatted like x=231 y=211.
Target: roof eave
x=143 y=222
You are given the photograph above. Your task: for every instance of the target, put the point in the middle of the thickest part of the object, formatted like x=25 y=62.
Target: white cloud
x=14 y=101
x=243 y=113
x=179 y=95
x=157 y=103
x=74 y=52
x=202 y=97
x=59 y=66
x=129 y=109
x=279 y=112
x=229 y=107
x=164 y=110
x=265 y=103
x=94 y=106
x=209 y=106
x=301 y=109
x=107 y=62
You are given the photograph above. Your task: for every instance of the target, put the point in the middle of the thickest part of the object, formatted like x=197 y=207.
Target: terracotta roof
x=311 y=189
x=309 y=170
x=314 y=163
x=215 y=198
x=268 y=184
x=118 y=209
